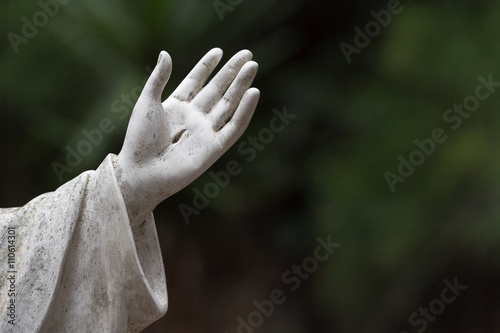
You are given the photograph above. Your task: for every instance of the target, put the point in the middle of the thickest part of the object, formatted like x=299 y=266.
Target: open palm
x=170 y=144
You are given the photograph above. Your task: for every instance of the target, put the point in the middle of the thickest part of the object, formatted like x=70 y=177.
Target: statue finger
x=215 y=89
x=159 y=78
x=226 y=106
x=198 y=76
x=232 y=131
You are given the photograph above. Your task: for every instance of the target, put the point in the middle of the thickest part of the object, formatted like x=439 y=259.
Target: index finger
x=195 y=80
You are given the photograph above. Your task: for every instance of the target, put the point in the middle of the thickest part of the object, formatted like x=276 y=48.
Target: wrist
x=138 y=202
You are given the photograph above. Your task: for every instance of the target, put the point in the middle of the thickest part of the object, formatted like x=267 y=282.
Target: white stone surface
x=86 y=257
x=170 y=144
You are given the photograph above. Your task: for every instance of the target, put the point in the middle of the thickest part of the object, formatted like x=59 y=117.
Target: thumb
x=159 y=77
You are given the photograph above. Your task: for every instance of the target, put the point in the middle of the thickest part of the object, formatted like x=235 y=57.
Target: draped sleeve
x=70 y=262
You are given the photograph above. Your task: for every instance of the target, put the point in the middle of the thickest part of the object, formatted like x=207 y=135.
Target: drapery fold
x=79 y=266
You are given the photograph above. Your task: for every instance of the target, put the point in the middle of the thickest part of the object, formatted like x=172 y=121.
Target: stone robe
x=76 y=265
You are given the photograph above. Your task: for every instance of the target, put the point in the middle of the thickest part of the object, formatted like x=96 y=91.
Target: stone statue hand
x=170 y=144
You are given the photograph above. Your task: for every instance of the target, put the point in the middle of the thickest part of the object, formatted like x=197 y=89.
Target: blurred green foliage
x=323 y=175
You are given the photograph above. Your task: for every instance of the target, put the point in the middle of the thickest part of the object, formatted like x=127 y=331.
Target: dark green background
x=323 y=175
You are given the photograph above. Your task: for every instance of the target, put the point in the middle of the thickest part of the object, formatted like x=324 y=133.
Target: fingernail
x=159 y=58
